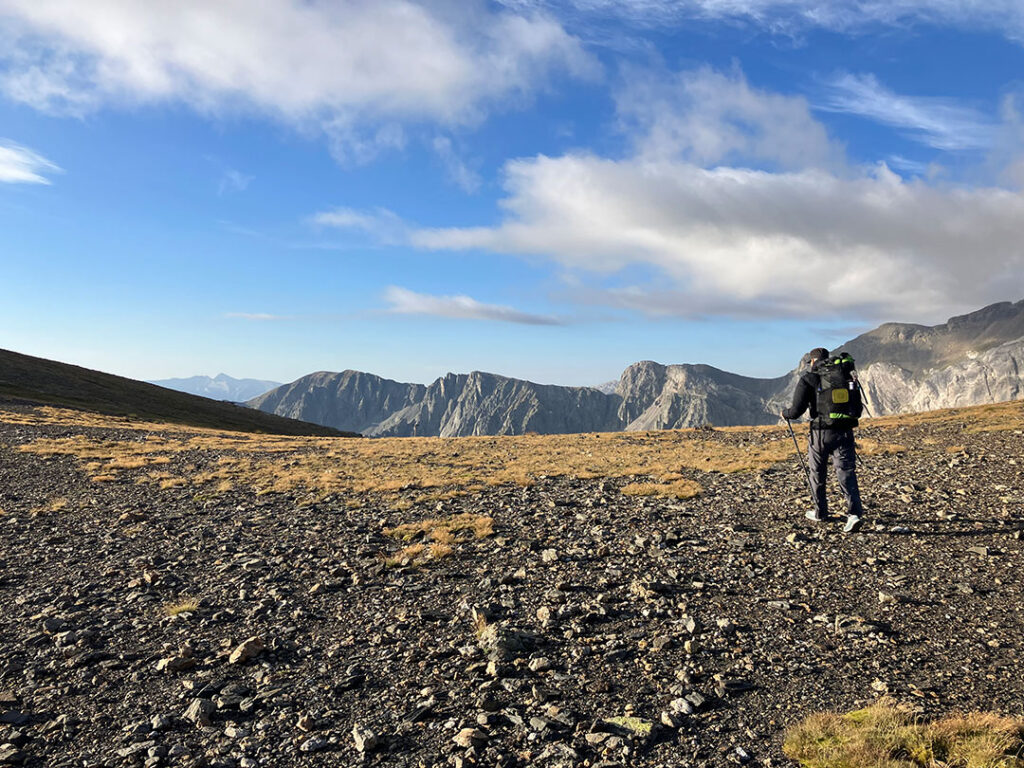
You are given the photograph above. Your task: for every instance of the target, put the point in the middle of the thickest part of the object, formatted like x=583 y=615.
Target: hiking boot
x=853 y=524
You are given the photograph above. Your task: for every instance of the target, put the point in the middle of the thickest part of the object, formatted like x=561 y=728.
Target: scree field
x=178 y=596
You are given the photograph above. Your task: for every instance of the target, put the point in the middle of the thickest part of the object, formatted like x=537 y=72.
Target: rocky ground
x=592 y=629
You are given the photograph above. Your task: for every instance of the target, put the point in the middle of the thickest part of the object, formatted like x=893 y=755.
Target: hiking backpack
x=838 y=401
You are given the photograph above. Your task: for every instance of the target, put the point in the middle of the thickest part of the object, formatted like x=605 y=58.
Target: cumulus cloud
x=937 y=122
x=404 y=301
x=355 y=68
x=808 y=240
x=19 y=164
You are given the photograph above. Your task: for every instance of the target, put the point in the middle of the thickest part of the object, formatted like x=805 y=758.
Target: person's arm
x=802 y=396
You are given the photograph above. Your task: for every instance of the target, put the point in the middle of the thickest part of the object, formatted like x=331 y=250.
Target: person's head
x=816 y=354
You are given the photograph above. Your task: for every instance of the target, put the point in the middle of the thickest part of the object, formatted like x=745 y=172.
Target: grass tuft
x=886 y=735
x=633 y=724
x=443 y=530
x=187 y=605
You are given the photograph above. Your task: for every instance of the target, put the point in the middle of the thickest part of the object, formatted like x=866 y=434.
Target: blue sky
x=548 y=190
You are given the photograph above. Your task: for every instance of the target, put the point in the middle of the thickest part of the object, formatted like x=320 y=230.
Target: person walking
x=829 y=391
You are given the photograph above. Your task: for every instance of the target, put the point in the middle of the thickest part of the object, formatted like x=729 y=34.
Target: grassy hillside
x=46 y=381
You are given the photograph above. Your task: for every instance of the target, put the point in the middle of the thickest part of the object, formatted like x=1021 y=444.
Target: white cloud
x=19 y=164
x=462 y=175
x=708 y=117
x=937 y=122
x=809 y=240
x=356 y=69
x=404 y=301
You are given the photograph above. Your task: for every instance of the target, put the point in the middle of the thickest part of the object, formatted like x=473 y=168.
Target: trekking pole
x=800 y=458
x=864 y=398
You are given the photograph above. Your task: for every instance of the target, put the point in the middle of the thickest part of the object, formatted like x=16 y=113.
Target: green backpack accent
x=838 y=392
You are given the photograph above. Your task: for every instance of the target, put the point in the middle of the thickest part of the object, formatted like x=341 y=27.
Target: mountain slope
x=349 y=400
x=47 y=381
x=968 y=360
x=220 y=387
x=919 y=349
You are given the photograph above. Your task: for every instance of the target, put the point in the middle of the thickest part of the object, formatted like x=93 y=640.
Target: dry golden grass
x=419 y=471
x=888 y=736
x=440 y=533
x=411 y=555
x=996 y=417
x=481 y=627
x=53 y=505
x=875 y=448
x=186 y=605
x=439 y=550
x=439 y=468
x=443 y=530
x=680 y=489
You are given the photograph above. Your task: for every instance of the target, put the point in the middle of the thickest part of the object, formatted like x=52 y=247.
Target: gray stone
x=199 y=712
x=365 y=739
x=314 y=744
x=470 y=737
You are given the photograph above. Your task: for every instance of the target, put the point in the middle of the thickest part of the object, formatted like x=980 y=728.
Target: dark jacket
x=805 y=397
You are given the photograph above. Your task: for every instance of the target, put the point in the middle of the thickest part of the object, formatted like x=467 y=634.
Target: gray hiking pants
x=837 y=443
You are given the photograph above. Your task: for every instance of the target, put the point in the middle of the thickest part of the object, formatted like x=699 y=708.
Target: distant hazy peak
x=220 y=387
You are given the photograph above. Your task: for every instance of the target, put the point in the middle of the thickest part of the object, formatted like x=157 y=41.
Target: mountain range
x=220 y=387
x=968 y=360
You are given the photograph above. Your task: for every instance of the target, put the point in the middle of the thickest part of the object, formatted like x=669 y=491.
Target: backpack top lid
x=841 y=360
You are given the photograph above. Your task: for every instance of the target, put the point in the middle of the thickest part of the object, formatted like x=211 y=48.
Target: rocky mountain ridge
x=969 y=360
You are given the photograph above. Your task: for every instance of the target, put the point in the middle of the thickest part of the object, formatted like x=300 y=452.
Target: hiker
x=829 y=390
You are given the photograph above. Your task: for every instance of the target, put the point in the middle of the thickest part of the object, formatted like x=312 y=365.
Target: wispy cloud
x=406 y=302
x=355 y=70
x=259 y=316
x=462 y=175
x=791 y=17
x=937 y=122
x=233 y=181
x=382 y=225
x=20 y=165
x=709 y=117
